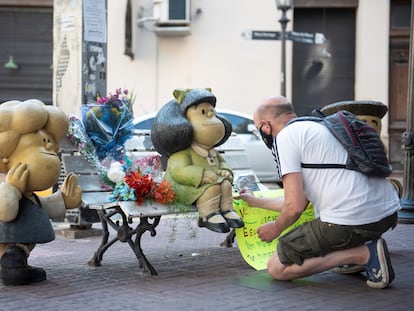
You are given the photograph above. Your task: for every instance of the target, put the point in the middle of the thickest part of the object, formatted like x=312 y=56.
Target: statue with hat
x=186 y=130
x=370 y=112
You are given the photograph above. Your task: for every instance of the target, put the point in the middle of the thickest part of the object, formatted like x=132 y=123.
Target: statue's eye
x=203 y=111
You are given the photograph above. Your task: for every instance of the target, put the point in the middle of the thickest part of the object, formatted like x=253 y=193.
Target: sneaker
x=349 y=269
x=379 y=269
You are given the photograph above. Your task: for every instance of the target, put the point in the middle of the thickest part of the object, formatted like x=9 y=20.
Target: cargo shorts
x=317 y=238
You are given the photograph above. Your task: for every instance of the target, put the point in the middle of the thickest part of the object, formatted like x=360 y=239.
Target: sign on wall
x=94 y=56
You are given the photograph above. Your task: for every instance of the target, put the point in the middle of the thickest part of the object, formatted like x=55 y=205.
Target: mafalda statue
x=186 y=130
x=30 y=133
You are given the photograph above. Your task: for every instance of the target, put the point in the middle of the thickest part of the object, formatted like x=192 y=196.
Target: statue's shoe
x=233 y=219
x=14 y=268
x=36 y=274
x=214 y=222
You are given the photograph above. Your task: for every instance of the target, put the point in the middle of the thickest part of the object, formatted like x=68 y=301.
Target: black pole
x=406 y=214
x=283 y=22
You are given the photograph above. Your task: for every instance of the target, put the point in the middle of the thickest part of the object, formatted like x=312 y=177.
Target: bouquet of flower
x=109 y=123
x=136 y=181
x=78 y=136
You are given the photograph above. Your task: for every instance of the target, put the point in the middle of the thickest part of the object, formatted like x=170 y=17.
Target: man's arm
x=295 y=203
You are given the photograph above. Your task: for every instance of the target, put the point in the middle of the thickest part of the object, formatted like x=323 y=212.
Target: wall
x=67 y=56
x=241 y=72
x=372 y=47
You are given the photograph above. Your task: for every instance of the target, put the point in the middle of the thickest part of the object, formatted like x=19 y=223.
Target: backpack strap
x=308 y=165
x=318 y=116
x=305 y=118
x=318 y=113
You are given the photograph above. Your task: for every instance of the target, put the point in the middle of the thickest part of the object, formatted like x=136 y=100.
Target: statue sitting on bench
x=186 y=130
x=30 y=133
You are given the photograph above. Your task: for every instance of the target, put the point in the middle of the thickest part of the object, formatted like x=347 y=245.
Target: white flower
x=116 y=173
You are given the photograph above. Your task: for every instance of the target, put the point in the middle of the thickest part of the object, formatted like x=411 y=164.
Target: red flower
x=146 y=188
x=142 y=185
x=163 y=193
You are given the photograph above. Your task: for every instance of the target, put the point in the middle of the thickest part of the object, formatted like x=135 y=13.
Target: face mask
x=267 y=139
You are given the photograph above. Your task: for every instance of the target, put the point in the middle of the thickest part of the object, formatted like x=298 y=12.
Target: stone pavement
x=197 y=274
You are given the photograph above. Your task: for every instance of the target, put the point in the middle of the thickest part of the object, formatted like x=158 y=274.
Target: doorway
x=398 y=71
x=27 y=49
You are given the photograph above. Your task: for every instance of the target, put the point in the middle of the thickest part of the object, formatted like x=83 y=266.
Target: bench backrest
x=90 y=180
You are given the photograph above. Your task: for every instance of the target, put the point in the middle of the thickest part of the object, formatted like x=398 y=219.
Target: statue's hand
x=71 y=191
x=208 y=177
x=17 y=176
x=226 y=174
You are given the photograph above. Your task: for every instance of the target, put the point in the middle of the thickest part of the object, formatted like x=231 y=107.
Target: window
x=239 y=123
x=144 y=125
x=400 y=15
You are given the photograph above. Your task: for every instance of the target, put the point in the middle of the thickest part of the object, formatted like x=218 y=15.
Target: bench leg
x=228 y=242
x=125 y=234
x=143 y=226
x=97 y=257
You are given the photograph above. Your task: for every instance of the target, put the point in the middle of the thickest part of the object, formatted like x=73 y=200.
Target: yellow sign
x=255 y=252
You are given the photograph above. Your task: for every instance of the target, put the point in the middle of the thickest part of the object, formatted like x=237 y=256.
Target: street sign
x=262 y=35
x=303 y=37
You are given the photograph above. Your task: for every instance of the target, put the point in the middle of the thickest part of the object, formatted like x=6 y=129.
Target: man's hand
x=71 y=191
x=273 y=204
x=268 y=232
x=246 y=195
x=17 y=177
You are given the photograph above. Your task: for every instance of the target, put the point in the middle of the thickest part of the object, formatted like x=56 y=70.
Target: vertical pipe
x=283 y=22
x=406 y=214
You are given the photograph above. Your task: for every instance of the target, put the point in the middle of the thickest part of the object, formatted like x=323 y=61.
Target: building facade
x=155 y=46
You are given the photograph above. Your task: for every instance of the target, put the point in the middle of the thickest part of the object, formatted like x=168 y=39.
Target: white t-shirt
x=339 y=196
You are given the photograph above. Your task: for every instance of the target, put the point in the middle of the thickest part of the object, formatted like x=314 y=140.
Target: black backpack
x=366 y=152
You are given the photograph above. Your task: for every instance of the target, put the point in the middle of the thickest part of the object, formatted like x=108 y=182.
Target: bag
x=366 y=152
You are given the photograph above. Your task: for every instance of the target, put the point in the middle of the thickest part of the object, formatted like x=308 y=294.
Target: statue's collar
x=202 y=152
x=210 y=155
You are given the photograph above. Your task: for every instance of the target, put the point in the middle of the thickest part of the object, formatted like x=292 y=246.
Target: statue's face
x=208 y=130
x=37 y=151
x=375 y=122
